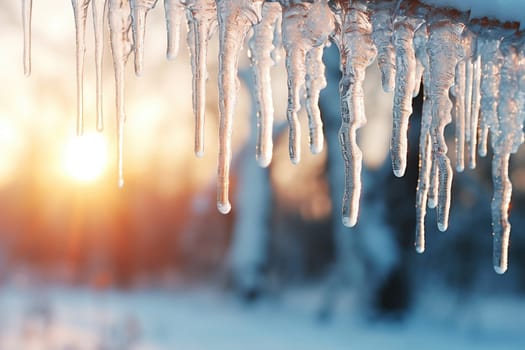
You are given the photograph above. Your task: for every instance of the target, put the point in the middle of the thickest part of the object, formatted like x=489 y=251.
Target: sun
x=85 y=157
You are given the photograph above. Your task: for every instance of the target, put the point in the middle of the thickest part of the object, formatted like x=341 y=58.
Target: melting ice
x=472 y=70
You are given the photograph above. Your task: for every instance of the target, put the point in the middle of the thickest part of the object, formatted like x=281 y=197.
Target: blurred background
x=85 y=265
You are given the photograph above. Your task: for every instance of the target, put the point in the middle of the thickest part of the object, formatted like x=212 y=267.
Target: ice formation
x=472 y=70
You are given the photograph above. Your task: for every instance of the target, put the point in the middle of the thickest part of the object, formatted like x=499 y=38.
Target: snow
x=206 y=318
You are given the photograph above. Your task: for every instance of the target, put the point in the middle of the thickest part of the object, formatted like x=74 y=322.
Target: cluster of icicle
x=472 y=70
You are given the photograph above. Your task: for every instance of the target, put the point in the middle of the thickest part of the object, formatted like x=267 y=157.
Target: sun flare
x=85 y=157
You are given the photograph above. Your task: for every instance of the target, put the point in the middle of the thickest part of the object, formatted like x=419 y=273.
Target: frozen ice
x=357 y=52
x=119 y=13
x=472 y=69
x=174 y=12
x=139 y=11
x=202 y=19
x=236 y=18
x=27 y=9
x=261 y=49
x=304 y=37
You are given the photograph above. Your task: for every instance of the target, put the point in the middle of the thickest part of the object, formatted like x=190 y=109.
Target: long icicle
x=261 y=48
x=468 y=43
x=443 y=46
x=80 y=8
x=99 y=9
x=139 y=10
x=315 y=82
x=27 y=10
x=357 y=53
x=459 y=89
x=121 y=47
x=383 y=28
x=304 y=37
x=425 y=146
x=235 y=17
x=201 y=16
x=474 y=118
x=174 y=12
x=506 y=137
x=318 y=32
x=404 y=29
x=293 y=16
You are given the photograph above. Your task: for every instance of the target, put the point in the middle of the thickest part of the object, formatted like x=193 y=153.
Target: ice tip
x=349 y=222
x=460 y=168
x=264 y=162
x=170 y=56
x=199 y=153
x=224 y=207
x=432 y=203
x=420 y=249
x=120 y=183
x=295 y=160
x=442 y=226
x=316 y=148
x=399 y=172
x=500 y=269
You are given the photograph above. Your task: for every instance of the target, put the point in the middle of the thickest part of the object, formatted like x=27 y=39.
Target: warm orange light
x=85 y=157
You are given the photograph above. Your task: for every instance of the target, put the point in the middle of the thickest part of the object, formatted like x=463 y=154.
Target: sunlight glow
x=85 y=157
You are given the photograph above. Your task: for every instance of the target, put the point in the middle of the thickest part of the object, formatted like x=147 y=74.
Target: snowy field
x=204 y=318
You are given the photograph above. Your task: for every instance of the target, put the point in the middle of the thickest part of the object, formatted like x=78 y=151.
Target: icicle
x=383 y=27
x=357 y=52
x=468 y=41
x=442 y=47
x=317 y=32
x=404 y=28
x=489 y=39
x=140 y=9
x=425 y=146
x=261 y=48
x=27 y=9
x=459 y=91
x=121 y=46
x=174 y=11
x=99 y=7
x=80 y=8
x=304 y=32
x=315 y=82
x=201 y=16
x=474 y=117
x=434 y=184
x=236 y=17
x=506 y=136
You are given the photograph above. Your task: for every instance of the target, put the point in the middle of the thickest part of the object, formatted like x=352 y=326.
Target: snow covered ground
x=205 y=318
